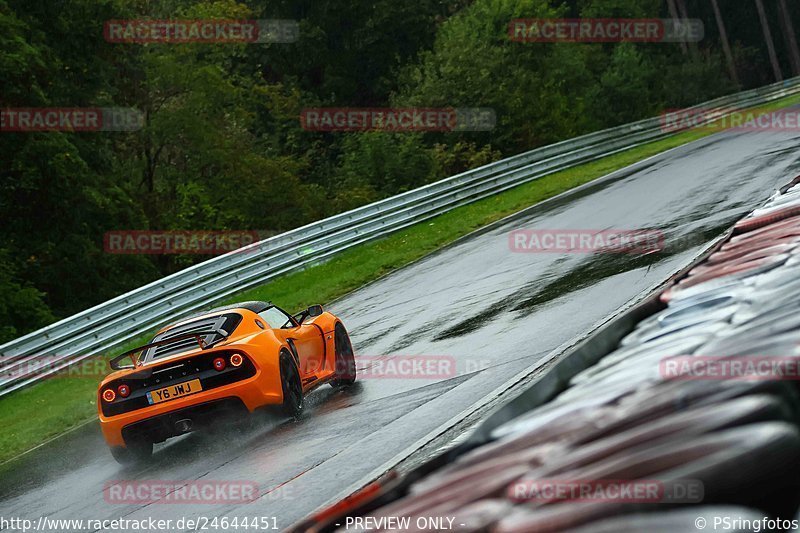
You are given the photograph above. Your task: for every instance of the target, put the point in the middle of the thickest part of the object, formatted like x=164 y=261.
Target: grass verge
x=42 y=411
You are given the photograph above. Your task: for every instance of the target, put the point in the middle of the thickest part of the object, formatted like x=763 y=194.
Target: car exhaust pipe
x=183 y=425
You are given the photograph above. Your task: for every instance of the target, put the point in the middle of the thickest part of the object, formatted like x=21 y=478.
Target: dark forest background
x=222 y=147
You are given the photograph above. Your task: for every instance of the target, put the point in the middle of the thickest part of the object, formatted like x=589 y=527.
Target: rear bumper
x=159 y=420
x=160 y=428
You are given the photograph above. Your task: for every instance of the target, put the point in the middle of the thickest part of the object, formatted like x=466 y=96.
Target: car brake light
x=236 y=359
x=124 y=391
x=219 y=364
x=109 y=395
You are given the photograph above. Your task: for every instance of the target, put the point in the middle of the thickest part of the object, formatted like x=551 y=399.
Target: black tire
x=345 y=359
x=293 y=401
x=133 y=453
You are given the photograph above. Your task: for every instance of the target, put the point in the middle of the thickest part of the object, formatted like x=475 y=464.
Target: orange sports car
x=237 y=358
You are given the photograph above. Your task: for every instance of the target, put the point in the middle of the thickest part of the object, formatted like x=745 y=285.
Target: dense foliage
x=222 y=146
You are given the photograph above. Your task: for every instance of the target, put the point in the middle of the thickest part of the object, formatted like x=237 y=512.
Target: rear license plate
x=174 y=391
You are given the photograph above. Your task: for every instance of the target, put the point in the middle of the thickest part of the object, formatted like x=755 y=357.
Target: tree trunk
x=684 y=13
x=788 y=35
x=776 y=68
x=726 y=45
x=673 y=12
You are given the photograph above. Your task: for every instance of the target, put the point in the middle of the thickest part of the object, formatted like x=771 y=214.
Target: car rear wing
x=115 y=362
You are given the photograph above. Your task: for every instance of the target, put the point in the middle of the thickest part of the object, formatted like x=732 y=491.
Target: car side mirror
x=312 y=311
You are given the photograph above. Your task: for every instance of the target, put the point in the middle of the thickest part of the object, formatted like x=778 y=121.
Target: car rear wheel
x=345 y=360
x=133 y=453
x=293 y=401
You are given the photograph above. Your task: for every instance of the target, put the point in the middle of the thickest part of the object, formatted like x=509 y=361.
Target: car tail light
x=219 y=364
x=237 y=359
x=109 y=395
x=124 y=391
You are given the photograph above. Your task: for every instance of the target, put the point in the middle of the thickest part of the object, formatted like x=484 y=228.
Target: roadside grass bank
x=40 y=412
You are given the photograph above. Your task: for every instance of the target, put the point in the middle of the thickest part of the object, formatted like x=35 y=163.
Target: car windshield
x=276 y=318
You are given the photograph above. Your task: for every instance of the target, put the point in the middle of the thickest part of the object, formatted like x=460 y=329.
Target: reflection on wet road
x=493 y=312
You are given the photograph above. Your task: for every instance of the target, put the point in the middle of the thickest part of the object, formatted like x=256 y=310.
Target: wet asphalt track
x=495 y=312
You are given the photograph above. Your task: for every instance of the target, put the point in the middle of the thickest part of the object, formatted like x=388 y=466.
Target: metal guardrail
x=132 y=314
